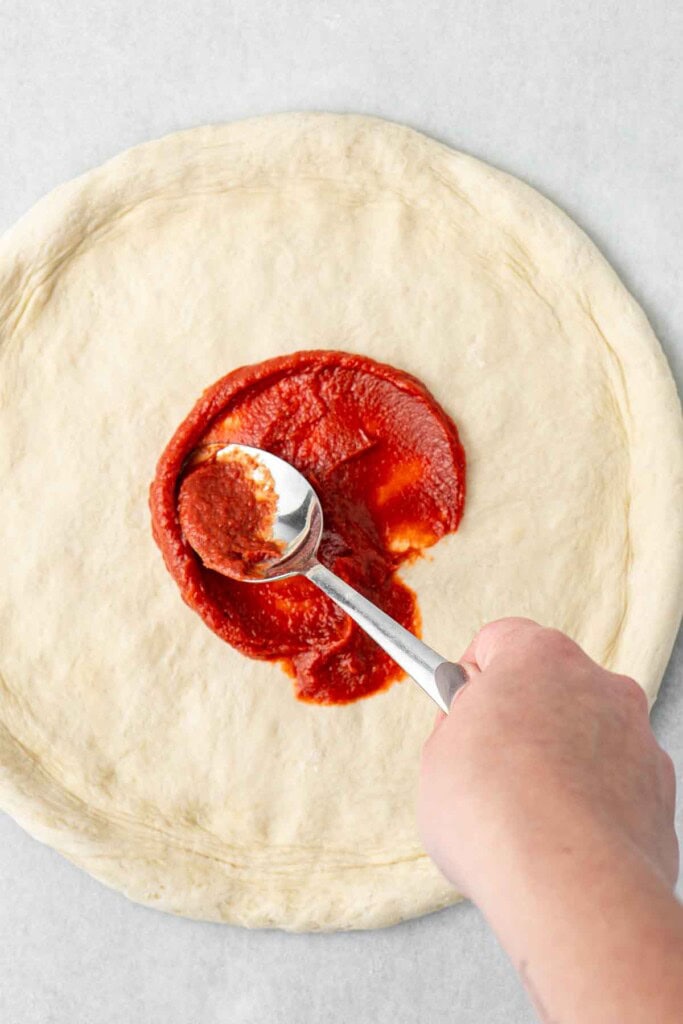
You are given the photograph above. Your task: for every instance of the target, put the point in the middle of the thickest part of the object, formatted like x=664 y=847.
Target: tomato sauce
x=389 y=469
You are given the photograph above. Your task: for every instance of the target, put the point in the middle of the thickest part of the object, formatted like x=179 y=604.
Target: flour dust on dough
x=131 y=738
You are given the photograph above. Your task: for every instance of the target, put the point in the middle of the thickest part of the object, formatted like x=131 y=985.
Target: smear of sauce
x=388 y=466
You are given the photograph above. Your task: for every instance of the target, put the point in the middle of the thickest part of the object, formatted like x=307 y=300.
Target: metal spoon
x=298 y=527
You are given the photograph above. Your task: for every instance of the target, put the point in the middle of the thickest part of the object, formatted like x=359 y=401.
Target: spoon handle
x=439 y=678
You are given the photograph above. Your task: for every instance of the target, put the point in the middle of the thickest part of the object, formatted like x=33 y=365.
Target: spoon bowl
x=298 y=523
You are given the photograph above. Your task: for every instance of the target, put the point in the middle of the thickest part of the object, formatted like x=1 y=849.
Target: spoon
x=297 y=529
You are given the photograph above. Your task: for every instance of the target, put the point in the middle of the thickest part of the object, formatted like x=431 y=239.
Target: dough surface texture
x=132 y=739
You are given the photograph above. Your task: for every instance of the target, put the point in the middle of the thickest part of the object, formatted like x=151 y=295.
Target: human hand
x=544 y=752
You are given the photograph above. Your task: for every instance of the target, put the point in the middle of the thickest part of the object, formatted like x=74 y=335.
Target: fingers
x=497 y=637
x=489 y=643
x=470 y=666
x=472 y=671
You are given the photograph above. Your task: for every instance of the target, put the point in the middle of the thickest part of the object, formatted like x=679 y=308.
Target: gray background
x=581 y=99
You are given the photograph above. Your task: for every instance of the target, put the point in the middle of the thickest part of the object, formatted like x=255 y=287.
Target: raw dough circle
x=131 y=738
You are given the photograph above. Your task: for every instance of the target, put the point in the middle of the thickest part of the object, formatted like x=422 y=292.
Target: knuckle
x=506 y=628
x=632 y=691
x=501 y=635
x=560 y=644
x=512 y=622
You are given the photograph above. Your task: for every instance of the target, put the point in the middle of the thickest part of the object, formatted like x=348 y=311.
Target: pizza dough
x=131 y=738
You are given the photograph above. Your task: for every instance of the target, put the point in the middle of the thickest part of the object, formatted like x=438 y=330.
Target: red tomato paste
x=389 y=469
